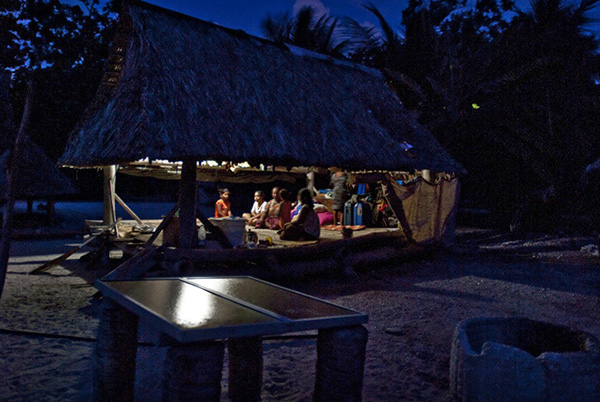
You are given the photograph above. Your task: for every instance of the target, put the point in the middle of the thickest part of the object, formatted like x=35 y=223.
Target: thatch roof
x=181 y=88
x=38 y=176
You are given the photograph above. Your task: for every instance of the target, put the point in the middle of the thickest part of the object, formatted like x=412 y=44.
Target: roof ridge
x=240 y=33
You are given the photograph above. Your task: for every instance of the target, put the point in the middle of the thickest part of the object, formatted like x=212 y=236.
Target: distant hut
x=181 y=89
x=38 y=176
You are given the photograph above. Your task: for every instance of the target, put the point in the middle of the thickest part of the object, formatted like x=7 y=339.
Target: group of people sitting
x=297 y=221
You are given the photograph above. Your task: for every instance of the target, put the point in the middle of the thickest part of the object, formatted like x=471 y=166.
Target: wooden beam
x=161 y=226
x=128 y=210
x=62 y=258
x=135 y=267
x=217 y=232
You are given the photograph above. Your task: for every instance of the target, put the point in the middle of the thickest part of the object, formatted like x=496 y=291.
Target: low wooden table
x=195 y=315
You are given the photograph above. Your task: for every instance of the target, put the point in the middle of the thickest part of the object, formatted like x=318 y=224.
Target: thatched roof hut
x=38 y=176
x=180 y=88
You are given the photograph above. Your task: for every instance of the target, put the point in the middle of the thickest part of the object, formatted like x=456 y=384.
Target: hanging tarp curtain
x=430 y=209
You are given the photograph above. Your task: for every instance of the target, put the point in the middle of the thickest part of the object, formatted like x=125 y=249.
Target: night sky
x=246 y=15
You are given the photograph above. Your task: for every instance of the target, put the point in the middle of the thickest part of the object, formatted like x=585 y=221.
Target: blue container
x=348 y=213
x=358 y=213
x=362 y=188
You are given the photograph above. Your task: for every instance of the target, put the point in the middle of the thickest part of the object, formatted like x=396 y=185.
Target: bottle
x=348 y=213
x=201 y=236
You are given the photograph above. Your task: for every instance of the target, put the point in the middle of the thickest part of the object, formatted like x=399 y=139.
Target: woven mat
x=340 y=227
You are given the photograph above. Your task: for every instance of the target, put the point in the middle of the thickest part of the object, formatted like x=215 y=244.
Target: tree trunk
x=11 y=173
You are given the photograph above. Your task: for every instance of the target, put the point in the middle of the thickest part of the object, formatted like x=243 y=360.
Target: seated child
x=223 y=205
x=258 y=213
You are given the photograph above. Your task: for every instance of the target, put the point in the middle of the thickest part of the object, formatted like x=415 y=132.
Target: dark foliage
x=511 y=98
x=64 y=53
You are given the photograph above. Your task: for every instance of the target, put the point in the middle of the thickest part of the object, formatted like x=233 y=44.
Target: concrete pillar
x=245 y=369
x=113 y=361
x=192 y=372
x=340 y=364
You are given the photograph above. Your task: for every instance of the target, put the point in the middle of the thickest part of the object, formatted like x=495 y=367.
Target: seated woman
x=273 y=210
x=258 y=213
x=305 y=225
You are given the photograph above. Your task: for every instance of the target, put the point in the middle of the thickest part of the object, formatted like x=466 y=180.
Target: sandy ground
x=48 y=321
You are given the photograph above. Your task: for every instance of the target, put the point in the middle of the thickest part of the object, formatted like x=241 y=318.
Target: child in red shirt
x=223 y=206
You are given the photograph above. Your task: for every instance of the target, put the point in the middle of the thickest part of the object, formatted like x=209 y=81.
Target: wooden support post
x=187 y=205
x=340 y=364
x=310 y=182
x=396 y=204
x=108 y=211
x=51 y=211
x=113 y=362
x=245 y=369
x=192 y=372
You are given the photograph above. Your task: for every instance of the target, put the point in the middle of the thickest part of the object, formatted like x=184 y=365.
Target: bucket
x=233 y=228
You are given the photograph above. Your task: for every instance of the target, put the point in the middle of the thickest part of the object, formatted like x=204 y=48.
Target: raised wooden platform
x=367 y=249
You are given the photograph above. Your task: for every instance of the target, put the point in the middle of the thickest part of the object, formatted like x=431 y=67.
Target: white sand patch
x=412 y=307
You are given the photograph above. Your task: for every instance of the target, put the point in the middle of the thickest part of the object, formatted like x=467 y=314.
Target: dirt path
x=412 y=307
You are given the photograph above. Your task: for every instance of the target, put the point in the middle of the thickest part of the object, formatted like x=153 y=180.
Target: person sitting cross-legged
x=305 y=225
x=258 y=213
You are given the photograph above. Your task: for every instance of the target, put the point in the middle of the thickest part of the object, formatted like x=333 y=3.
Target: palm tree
x=305 y=30
x=513 y=101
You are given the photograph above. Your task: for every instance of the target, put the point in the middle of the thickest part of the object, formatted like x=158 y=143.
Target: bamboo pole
x=127 y=209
